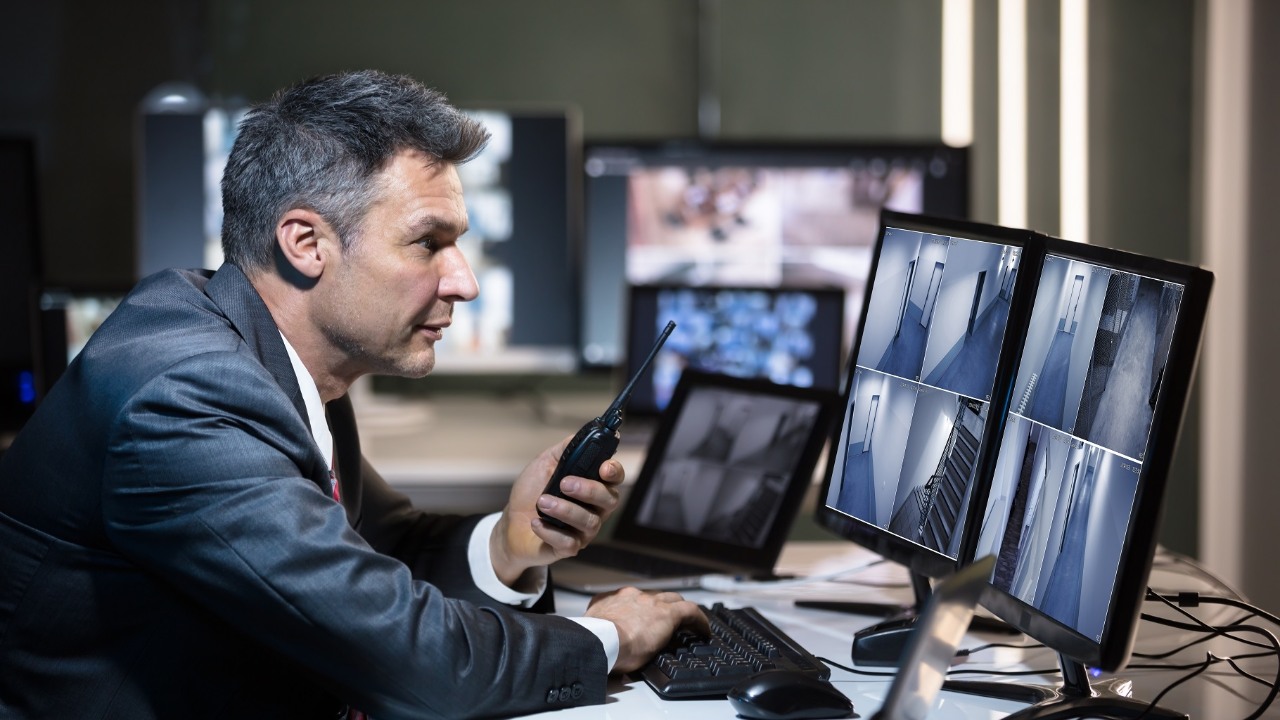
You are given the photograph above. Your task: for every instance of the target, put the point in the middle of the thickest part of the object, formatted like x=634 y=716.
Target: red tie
x=352 y=713
x=333 y=475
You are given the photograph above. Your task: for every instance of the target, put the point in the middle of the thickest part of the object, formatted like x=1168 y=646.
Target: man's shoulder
x=168 y=318
x=171 y=307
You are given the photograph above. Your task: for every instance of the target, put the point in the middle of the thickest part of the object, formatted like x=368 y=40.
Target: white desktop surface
x=460 y=453
x=1218 y=694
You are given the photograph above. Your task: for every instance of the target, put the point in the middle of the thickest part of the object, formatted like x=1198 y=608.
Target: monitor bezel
x=915 y=557
x=1112 y=651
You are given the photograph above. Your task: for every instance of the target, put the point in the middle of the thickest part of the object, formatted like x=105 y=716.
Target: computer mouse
x=788 y=695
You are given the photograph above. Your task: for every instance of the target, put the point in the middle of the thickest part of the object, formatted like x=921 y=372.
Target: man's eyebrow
x=431 y=223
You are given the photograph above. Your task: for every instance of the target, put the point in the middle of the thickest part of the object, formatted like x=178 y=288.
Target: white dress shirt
x=478 y=557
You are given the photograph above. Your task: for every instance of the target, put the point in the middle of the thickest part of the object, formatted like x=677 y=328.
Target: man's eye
x=427 y=243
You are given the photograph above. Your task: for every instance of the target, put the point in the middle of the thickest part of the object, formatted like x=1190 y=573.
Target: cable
x=856 y=671
x=1156 y=700
x=1195 y=599
x=1214 y=631
x=732 y=583
x=965 y=652
x=1229 y=660
x=1211 y=659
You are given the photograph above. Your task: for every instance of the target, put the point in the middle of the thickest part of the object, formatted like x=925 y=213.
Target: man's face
x=391 y=294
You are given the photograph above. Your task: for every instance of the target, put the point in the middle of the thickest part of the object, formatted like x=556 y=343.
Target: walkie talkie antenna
x=613 y=415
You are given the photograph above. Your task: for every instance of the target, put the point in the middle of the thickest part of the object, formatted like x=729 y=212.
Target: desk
x=460 y=453
x=1218 y=694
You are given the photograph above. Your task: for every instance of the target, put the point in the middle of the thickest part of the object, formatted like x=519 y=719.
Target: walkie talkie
x=597 y=440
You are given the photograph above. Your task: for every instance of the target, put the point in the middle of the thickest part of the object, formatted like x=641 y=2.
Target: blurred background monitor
x=791 y=336
x=758 y=214
x=523 y=196
x=21 y=384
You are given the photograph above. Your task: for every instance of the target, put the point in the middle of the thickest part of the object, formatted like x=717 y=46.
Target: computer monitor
x=791 y=336
x=1075 y=500
x=922 y=396
x=1078 y=416
x=523 y=196
x=766 y=214
x=21 y=384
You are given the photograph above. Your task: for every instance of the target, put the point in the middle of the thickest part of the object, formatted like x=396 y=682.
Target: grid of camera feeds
x=1074 y=442
x=922 y=385
x=788 y=336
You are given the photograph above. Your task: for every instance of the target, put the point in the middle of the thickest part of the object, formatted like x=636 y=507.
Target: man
x=172 y=543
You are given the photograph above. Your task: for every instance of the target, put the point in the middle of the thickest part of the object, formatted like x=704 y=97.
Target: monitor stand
x=882 y=644
x=1075 y=698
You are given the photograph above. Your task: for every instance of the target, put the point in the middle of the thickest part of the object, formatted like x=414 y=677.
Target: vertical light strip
x=1073 y=64
x=1012 y=113
x=1224 y=236
x=957 y=72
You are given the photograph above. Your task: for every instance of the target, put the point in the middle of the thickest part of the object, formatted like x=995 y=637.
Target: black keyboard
x=742 y=643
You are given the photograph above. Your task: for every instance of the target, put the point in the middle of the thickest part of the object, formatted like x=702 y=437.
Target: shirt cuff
x=486 y=578
x=608 y=634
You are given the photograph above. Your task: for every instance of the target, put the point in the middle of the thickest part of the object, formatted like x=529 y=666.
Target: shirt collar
x=315 y=407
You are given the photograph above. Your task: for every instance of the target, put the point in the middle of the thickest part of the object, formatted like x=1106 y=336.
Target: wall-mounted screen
x=758 y=214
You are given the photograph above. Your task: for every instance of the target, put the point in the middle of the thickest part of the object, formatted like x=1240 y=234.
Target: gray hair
x=319 y=144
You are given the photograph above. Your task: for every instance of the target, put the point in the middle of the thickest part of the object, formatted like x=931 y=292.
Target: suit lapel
x=242 y=305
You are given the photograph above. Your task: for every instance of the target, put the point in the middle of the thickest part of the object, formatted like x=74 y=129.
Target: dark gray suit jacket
x=168 y=547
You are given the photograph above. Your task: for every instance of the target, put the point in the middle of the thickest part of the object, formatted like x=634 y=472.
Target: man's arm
x=204 y=490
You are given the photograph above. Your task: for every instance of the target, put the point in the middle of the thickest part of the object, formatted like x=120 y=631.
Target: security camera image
x=939 y=310
x=789 y=336
x=1065 y=507
x=760 y=225
x=727 y=466
x=1076 y=436
x=907 y=456
x=1095 y=353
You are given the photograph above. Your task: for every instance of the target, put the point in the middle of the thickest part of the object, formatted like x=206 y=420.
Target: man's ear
x=304 y=240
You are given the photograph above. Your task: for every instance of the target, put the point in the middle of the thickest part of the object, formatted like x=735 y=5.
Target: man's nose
x=457 y=282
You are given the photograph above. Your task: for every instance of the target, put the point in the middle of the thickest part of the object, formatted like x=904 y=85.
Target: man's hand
x=521 y=539
x=645 y=622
